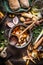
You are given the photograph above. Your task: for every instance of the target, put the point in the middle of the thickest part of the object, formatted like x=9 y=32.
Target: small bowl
x=30 y=38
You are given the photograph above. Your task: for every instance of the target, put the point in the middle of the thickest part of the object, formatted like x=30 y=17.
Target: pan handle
x=19 y=61
x=15 y=60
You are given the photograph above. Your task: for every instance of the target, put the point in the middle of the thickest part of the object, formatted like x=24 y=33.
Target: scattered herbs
x=36 y=31
x=3 y=41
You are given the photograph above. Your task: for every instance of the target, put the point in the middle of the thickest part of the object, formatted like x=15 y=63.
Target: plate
x=7 y=8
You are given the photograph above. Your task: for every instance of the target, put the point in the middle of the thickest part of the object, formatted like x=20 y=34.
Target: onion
x=15 y=20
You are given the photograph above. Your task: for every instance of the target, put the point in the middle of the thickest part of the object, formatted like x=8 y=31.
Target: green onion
x=39 y=36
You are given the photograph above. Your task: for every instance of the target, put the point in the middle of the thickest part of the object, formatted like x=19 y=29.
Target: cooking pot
x=9 y=33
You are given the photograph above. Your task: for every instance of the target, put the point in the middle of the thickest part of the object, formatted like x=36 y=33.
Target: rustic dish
x=29 y=40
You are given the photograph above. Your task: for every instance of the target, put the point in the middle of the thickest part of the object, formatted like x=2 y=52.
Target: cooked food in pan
x=22 y=39
x=14 y=4
x=24 y=3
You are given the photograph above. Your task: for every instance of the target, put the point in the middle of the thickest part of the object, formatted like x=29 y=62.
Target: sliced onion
x=10 y=24
x=15 y=20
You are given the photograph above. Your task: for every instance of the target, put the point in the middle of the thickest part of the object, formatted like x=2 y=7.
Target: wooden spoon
x=29 y=27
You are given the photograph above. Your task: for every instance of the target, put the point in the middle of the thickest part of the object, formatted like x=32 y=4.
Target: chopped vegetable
x=36 y=31
x=22 y=19
x=38 y=43
x=39 y=36
x=29 y=15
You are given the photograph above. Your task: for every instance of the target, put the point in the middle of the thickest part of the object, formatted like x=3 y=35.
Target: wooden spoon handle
x=29 y=27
